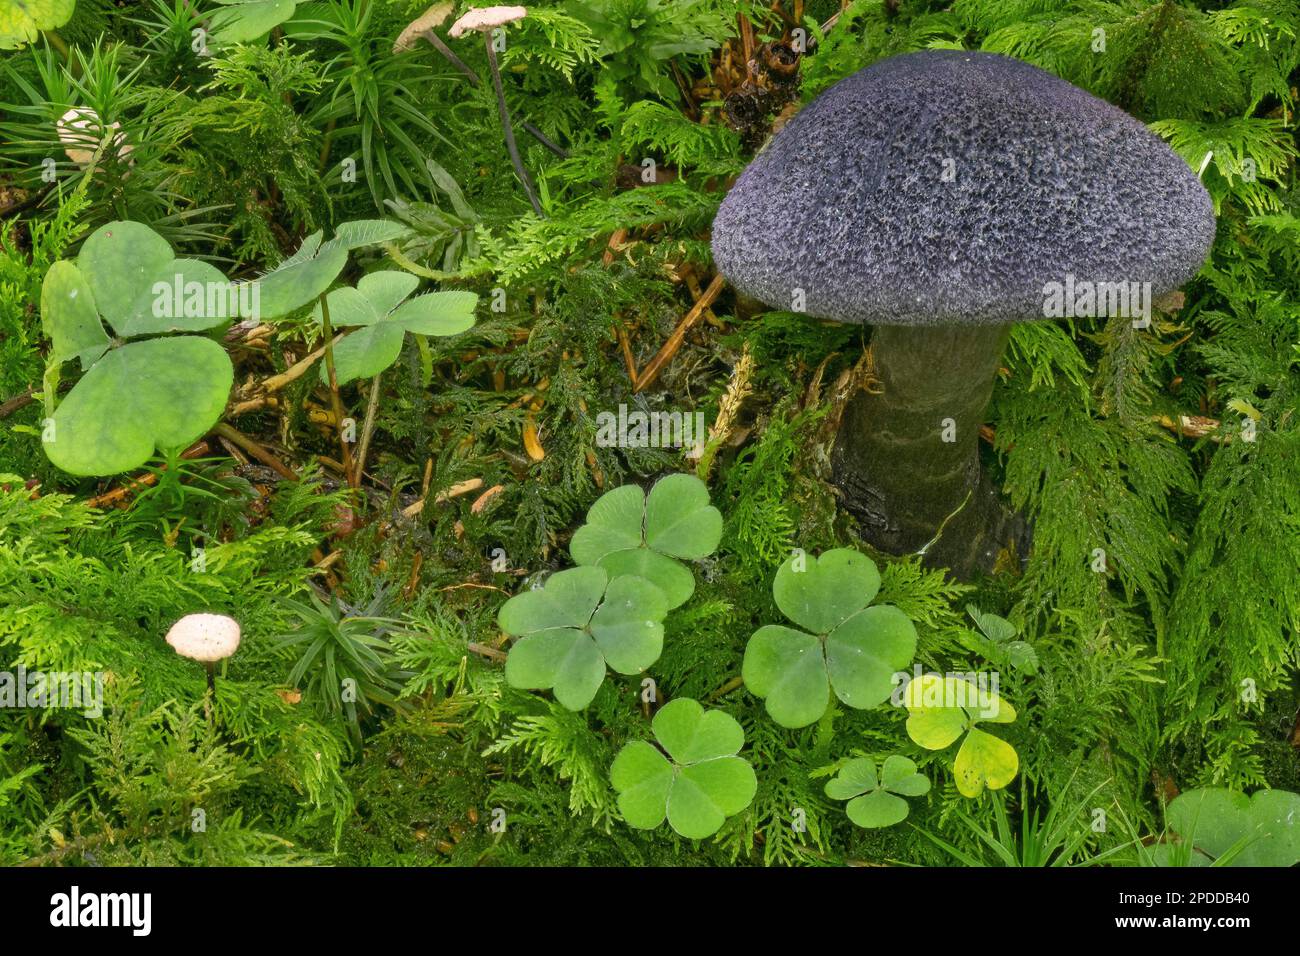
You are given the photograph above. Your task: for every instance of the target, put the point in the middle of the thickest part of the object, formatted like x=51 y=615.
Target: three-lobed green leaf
x=142 y=395
x=158 y=393
x=877 y=801
x=631 y=532
x=941 y=709
x=697 y=785
x=847 y=647
x=1231 y=829
x=577 y=624
x=381 y=314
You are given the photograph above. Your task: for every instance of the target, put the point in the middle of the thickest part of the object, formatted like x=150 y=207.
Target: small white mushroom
x=485 y=19
x=425 y=22
x=80 y=127
x=206 y=638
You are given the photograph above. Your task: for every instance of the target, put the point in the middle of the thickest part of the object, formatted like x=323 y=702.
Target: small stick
x=628 y=358
x=746 y=39
x=413 y=579
x=296 y=370
x=727 y=688
x=237 y=437
x=486 y=651
x=670 y=347
x=367 y=429
x=693 y=284
x=511 y=146
x=455 y=491
x=22 y=400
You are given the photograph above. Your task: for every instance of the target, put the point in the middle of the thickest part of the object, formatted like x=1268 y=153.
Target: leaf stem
x=337 y=403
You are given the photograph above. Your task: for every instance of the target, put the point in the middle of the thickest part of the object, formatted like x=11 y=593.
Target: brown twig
x=670 y=347
x=236 y=437
x=368 y=428
x=296 y=370
x=486 y=651
x=455 y=491
x=21 y=400
x=625 y=345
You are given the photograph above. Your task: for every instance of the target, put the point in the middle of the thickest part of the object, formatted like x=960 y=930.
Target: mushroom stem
x=210 y=700
x=505 y=125
x=906 y=459
x=437 y=43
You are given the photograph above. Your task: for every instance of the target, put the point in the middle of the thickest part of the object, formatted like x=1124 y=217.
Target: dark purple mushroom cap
x=850 y=203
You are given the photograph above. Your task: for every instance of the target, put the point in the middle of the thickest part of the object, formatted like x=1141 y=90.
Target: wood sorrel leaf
x=630 y=532
x=702 y=784
x=854 y=650
x=121 y=261
x=1235 y=830
x=69 y=315
x=160 y=393
x=575 y=625
x=872 y=801
x=984 y=761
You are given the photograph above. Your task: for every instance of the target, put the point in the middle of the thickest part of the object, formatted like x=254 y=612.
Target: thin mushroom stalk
x=511 y=146
x=485 y=20
x=422 y=28
x=210 y=698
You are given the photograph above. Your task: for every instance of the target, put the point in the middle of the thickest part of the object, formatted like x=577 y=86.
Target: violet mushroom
x=939 y=197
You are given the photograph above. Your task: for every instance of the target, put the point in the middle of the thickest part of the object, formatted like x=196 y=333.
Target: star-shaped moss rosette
x=697 y=785
x=1220 y=827
x=380 y=314
x=877 y=801
x=145 y=388
x=941 y=709
x=630 y=532
x=577 y=624
x=845 y=646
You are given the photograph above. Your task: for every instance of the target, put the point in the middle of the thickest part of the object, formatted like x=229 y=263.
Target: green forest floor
x=1172 y=667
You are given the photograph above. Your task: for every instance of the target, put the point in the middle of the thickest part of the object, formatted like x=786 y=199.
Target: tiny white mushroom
x=484 y=19
x=206 y=638
x=433 y=17
x=80 y=127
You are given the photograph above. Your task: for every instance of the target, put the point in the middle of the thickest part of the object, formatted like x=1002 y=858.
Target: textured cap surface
x=952 y=187
x=205 y=637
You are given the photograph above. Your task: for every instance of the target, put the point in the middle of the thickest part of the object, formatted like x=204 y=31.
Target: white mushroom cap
x=80 y=127
x=483 y=19
x=205 y=637
x=433 y=17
